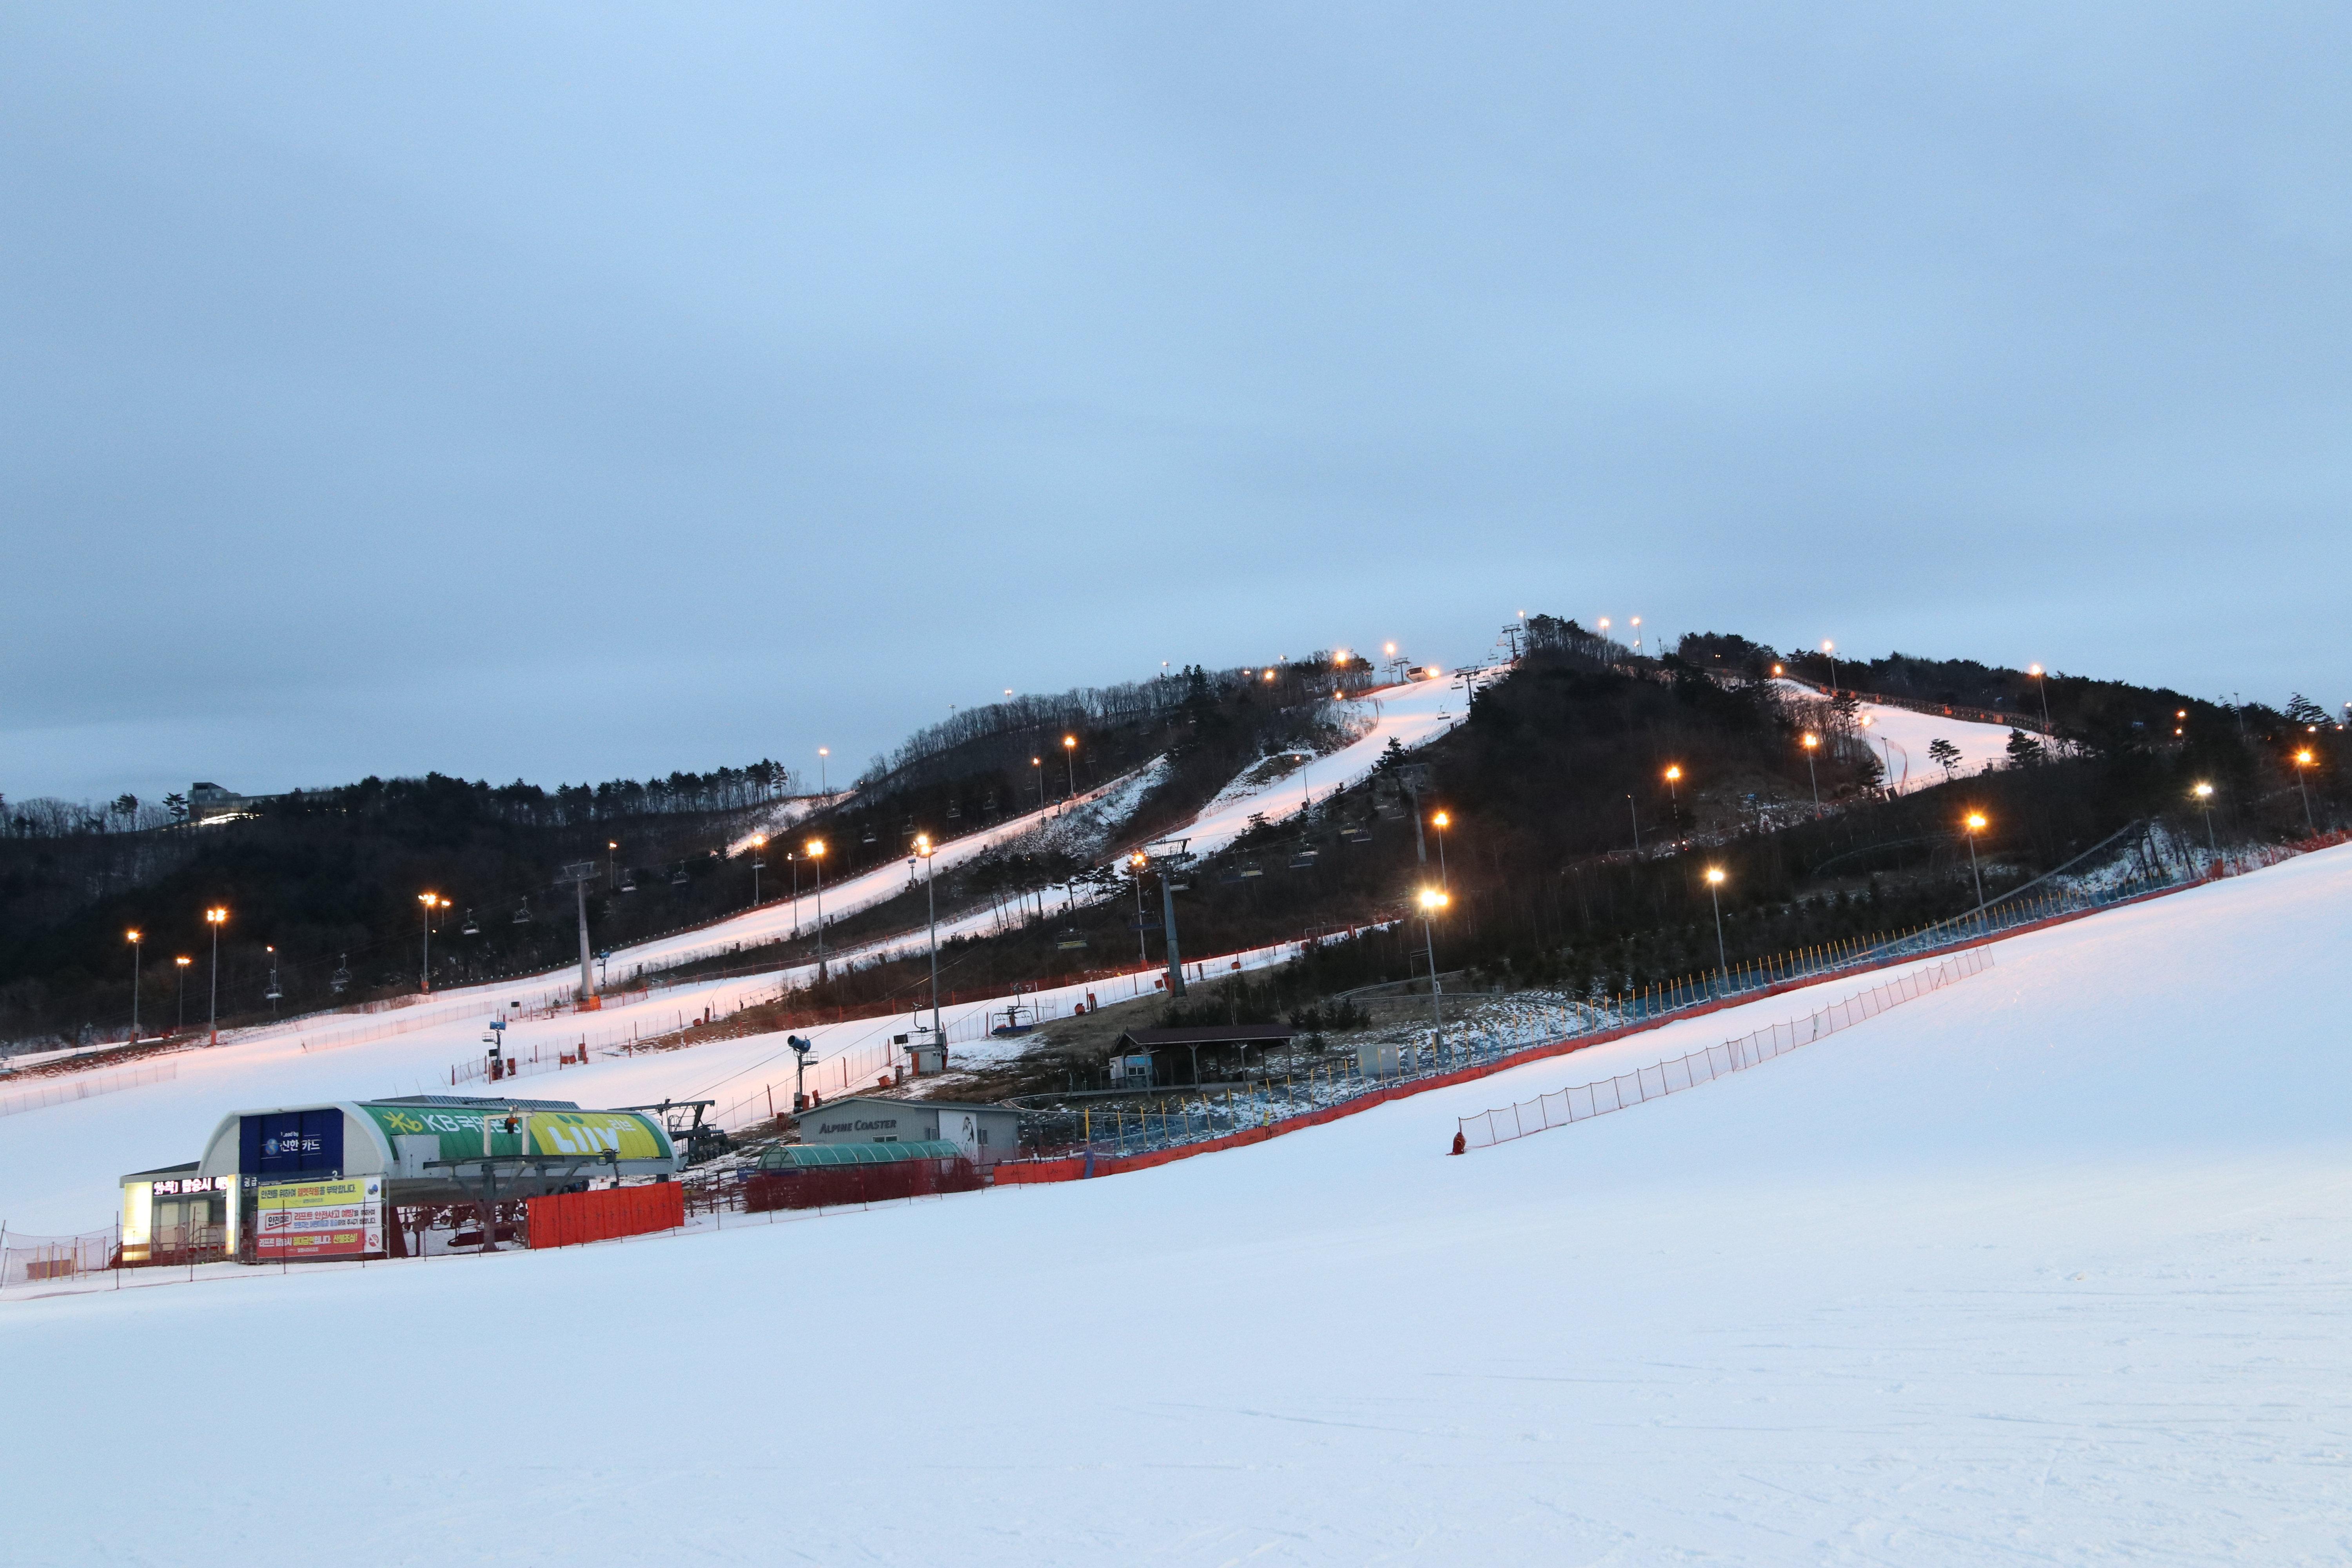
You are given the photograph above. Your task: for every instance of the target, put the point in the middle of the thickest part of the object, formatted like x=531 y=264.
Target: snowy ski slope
x=2049 y=1267
x=1901 y=736
x=58 y=1164
x=50 y=1170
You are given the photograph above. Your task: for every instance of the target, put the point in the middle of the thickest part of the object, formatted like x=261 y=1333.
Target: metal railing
x=1622 y=1090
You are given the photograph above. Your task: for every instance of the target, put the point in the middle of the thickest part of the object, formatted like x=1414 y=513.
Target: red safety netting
x=567 y=1219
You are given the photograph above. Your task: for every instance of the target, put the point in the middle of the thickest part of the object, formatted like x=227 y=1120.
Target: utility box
x=925 y=1051
x=1131 y=1071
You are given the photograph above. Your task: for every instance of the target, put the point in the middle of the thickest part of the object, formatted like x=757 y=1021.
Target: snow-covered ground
x=2050 y=1267
x=1901 y=737
x=1412 y=715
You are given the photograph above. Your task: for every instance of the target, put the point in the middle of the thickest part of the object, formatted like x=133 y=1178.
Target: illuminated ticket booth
x=332 y=1181
x=175 y=1215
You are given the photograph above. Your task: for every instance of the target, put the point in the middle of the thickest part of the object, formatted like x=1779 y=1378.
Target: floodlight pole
x=819 y=918
x=931 y=907
x=1436 y=992
x=1142 y=943
x=1722 y=959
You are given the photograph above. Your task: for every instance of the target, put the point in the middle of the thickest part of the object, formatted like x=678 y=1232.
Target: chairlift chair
x=628 y=883
x=522 y=912
x=679 y=878
x=470 y=928
x=955 y=810
x=1070 y=940
x=273 y=994
x=1251 y=869
x=871 y=836
x=1302 y=858
x=341 y=979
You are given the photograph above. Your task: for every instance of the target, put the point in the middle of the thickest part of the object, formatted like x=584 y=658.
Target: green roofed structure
x=418 y=1150
x=818 y=1156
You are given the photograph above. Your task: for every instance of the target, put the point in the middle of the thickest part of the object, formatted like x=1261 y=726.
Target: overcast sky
x=569 y=392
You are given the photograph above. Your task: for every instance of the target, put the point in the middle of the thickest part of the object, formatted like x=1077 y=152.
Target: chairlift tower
x=579 y=875
x=1413 y=778
x=1169 y=857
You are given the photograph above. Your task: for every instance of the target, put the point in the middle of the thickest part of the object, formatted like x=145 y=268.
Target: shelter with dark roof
x=1222 y=1049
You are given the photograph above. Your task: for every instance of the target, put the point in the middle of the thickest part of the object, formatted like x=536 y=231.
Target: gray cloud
x=574 y=394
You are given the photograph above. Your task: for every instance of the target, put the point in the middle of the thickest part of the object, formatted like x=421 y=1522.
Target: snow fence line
x=1071 y=1168
x=87 y=1087
x=1602 y=1095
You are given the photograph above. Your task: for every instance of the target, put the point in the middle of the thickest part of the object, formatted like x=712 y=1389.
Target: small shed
x=982 y=1134
x=1177 y=1054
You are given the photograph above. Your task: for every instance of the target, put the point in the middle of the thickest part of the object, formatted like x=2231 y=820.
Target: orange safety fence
x=568 y=1219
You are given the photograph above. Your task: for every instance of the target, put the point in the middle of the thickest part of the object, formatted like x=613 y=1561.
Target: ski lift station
x=426 y=1148
x=981 y=1133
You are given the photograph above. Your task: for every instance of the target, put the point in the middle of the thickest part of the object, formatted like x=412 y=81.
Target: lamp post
x=431 y=901
x=2042 y=685
x=1976 y=825
x=2204 y=794
x=759 y=847
x=1432 y=900
x=612 y=867
x=1830 y=648
x=1039 y=764
x=1070 y=757
x=1442 y=822
x=1674 y=794
x=815 y=848
x=181 y=963
x=932 y=913
x=824 y=783
x=1715 y=882
x=1812 y=744
x=1635 y=815
x=1636 y=624
x=216 y=918
x=134 y=939
x=2302 y=760
x=1135 y=866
